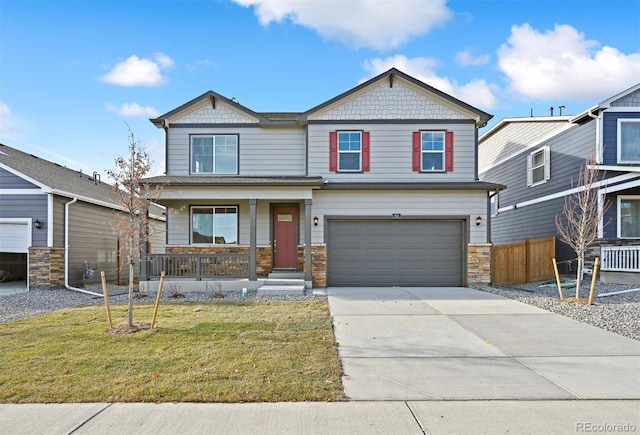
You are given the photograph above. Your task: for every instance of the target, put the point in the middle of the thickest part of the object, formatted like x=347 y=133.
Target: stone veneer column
x=319 y=266
x=46 y=268
x=479 y=263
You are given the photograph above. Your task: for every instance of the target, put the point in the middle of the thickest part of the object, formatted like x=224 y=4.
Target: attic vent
x=96 y=178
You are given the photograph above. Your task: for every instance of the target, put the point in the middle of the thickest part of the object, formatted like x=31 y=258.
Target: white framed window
x=495 y=204
x=629 y=216
x=432 y=145
x=628 y=140
x=214 y=154
x=538 y=166
x=349 y=151
x=214 y=225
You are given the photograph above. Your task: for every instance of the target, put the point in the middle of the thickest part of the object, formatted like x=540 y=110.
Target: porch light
x=315 y=221
x=37 y=224
x=478 y=220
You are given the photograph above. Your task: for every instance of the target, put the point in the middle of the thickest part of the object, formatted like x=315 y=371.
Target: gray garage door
x=395 y=252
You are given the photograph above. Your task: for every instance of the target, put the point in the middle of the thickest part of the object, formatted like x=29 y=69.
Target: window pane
x=202 y=225
x=538 y=174
x=349 y=141
x=202 y=155
x=226 y=154
x=538 y=159
x=349 y=162
x=226 y=225
x=630 y=141
x=432 y=161
x=630 y=218
x=432 y=141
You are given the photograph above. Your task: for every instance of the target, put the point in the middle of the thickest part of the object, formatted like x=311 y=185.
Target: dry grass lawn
x=198 y=352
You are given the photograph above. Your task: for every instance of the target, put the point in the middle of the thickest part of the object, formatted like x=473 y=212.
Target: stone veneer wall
x=479 y=263
x=46 y=268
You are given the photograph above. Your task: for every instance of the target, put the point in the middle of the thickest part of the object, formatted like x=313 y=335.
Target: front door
x=285 y=243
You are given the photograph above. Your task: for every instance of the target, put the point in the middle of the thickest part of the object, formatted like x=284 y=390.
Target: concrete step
x=283 y=281
x=281 y=290
x=286 y=275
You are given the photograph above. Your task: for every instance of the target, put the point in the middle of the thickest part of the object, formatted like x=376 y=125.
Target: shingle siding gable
x=381 y=101
x=204 y=113
x=630 y=100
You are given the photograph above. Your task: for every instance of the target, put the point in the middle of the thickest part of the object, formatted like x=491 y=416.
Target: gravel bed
x=22 y=305
x=617 y=313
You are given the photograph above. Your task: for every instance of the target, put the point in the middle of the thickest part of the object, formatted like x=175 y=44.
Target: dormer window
x=214 y=154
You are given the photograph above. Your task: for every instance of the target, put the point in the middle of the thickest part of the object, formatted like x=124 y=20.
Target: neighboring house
x=539 y=160
x=377 y=186
x=56 y=224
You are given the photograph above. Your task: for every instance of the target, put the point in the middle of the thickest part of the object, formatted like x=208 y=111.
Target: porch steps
x=281 y=284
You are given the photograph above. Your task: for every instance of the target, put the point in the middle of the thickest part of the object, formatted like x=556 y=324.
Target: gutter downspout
x=66 y=252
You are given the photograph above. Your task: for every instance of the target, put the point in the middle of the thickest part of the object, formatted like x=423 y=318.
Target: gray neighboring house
x=539 y=160
x=56 y=224
x=376 y=186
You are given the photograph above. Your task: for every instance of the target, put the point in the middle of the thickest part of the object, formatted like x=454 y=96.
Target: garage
x=403 y=252
x=14 y=247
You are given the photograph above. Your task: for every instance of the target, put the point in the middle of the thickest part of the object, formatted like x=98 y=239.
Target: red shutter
x=365 y=151
x=333 y=151
x=417 y=143
x=448 y=151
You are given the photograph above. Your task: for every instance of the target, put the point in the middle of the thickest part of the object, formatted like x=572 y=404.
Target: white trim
x=620 y=198
x=619 y=138
x=615 y=168
x=21 y=192
x=599 y=184
x=624 y=186
x=546 y=165
x=50 y=220
x=622 y=109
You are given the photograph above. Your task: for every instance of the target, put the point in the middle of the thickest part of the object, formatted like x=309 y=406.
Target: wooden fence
x=528 y=261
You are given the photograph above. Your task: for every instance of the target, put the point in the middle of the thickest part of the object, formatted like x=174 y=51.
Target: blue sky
x=75 y=73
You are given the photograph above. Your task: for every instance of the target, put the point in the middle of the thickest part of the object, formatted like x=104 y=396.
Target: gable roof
x=294 y=118
x=481 y=117
x=51 y=177
x=605 y=104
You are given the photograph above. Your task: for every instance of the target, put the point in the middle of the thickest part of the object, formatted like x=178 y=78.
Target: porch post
x=307 y=243
x=252 y=240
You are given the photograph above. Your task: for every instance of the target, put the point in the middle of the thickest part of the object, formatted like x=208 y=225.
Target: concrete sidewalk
x=352 y=418
x=464 y=344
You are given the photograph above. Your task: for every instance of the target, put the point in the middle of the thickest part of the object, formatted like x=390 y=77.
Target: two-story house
x=375 y=187
x=540 y=158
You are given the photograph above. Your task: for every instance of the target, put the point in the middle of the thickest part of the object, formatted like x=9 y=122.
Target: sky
x=76 y=76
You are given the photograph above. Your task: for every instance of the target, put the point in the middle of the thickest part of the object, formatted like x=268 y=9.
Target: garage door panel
x=14 y=237
x=395 y=252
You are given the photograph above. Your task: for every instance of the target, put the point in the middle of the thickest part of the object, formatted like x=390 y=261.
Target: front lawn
x=199 y=352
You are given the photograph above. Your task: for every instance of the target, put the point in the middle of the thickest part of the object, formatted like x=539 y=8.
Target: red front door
x=285 y=243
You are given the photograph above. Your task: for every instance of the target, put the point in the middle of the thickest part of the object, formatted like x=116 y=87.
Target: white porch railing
x=620 y=258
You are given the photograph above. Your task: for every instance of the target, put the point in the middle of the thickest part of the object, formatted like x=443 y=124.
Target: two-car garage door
x=403 y=252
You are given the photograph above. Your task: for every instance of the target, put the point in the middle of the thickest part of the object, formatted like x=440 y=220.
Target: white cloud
x=133 y=110
x=561 y=63
x=191 y=67
x=466 y=58
x=477 y=93
x=380 y=24
x=137 y=71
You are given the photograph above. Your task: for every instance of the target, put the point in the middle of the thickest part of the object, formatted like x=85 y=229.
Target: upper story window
x=629 y=216
x=538 y=166
x=628 y=140
x=432 y=151
x=214 y=154
x=214 y=225
x=349 y=151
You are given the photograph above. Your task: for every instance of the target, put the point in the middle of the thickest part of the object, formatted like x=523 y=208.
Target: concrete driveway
x=403 y=343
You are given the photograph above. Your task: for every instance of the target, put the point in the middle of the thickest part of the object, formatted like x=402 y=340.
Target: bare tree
x=134 y=197
x=581 y=216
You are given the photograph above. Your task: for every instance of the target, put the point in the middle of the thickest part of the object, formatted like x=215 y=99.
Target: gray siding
x=27 y=206
x=11 y=181
x=611 y=216
x=277 y=151
x=391 y=152
x=610 y=134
